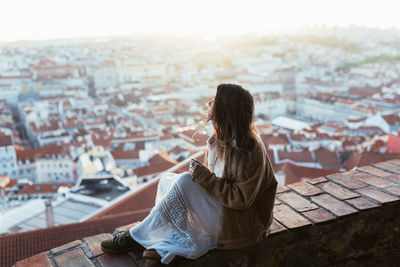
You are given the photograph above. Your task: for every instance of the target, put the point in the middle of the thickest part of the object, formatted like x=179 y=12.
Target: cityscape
x=87 y=122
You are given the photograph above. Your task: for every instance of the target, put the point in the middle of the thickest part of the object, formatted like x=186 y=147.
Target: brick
x=281 y=189
x=375 y=171
x=338 y=191
x=333 y=205
x=121 y=260
x=388 y=167
x=394 y=178
x=276 y=227
x=288 y=217
x=38 y=260
x=362 y=203
x=372 y=180
x=126 y=227
x=351 y=172
x=319 y=215
x=394 y=162
x=296 y=201
x=317 y=180
x=394 y=189
x=94 y=243
x=305 y=189
x=377 y=195
x=73 y=258
x=66 y=246
x=346 y=180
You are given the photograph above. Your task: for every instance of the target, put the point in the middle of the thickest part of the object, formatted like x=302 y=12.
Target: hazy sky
x=47 y=19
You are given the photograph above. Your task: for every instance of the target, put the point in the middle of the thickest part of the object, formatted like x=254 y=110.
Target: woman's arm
x=231 y=194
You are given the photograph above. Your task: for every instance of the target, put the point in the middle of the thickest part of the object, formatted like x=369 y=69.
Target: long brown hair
x=232 y=117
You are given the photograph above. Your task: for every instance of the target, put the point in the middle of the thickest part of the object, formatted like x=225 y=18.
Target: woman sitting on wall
x=225 y=203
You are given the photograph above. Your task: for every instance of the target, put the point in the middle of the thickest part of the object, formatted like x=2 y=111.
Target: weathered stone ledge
x=349 y=218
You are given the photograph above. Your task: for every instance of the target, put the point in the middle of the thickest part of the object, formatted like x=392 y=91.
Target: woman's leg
x=185 y=221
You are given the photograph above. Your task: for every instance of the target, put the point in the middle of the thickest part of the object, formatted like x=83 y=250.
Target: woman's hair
x=232 y=116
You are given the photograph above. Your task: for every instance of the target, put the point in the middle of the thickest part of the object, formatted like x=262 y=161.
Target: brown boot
x=121 y=243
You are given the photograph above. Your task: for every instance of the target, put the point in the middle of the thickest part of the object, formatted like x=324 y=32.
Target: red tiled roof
x=377 y=145
x=130 y=154
x=327 y=159
x=368 y=158
x=176 y=150
x=297 y=137
x=42 y=188
x=15 y=247
x=104 y=142
x=270 y=154
x=161 y=157
x=363 y=92
x=303 y=156
x=391 y=119
x=274 y=140
x=72 y=123
x=294 y=173
x=198 y=140
x=153 y=168
x=34 y=153
x=5 y=140
x=356 y=120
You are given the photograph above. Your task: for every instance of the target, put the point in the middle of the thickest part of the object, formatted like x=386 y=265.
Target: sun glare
x=46 y=19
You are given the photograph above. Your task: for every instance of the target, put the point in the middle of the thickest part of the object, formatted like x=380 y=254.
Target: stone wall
x=344 y=219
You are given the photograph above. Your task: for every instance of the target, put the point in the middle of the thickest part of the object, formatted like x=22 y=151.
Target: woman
x=225 y=203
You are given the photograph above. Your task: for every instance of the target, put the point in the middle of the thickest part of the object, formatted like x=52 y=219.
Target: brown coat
x=247 y=205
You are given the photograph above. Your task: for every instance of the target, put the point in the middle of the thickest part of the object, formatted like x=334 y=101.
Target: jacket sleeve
x=231 y=194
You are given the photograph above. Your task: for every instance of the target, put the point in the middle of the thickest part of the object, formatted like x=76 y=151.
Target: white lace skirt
x=185 y=220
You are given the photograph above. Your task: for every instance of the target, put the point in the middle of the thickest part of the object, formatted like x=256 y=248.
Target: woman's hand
x=193 y=165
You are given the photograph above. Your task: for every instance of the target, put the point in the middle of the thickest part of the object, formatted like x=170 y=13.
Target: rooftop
x=106 y=188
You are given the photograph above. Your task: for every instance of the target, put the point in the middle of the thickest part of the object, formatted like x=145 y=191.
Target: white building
x=8 y=158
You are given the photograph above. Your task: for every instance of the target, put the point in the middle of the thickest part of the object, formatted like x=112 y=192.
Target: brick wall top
x=316 y=205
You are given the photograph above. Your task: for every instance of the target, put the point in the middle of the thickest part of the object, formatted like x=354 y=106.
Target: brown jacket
x=246 y=206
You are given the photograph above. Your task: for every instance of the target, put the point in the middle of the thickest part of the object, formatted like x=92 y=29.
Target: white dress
x=185 y=220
